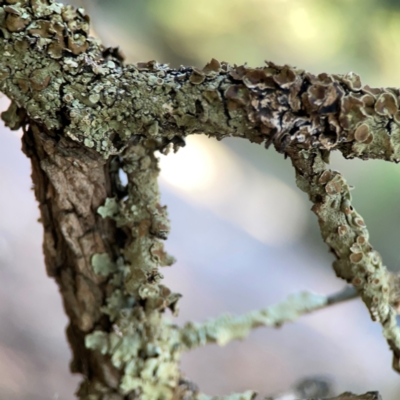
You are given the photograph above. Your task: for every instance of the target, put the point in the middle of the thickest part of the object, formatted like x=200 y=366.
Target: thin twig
x=226 y=328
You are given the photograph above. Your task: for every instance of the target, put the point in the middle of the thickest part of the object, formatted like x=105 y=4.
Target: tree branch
x=345 y=232
x=66 y=80
x=86 y=116
x=226 y=328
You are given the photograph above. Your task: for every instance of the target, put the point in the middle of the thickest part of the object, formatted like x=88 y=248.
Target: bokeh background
x=242 y=232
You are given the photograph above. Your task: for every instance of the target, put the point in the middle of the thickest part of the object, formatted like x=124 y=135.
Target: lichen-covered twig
x=86 y=116
x=64 y=80
x=344 y=230
x=226 y=328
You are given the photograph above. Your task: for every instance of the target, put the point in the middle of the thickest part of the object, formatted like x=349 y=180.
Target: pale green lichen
x=345 y=231
x=102 y=264
x=97 y=340
x=110 y=208
x=141 y=344
x=226 y=328
x=12 y=117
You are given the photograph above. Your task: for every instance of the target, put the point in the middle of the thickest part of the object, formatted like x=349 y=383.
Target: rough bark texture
x=87 y=117
x=70 y=183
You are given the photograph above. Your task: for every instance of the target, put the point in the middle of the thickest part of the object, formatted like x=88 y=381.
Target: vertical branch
x=141 y=345
x=70 y=183
x=345 y=232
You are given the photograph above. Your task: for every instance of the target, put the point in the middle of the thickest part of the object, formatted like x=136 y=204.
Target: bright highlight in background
x=207 y=173
x=191 y=169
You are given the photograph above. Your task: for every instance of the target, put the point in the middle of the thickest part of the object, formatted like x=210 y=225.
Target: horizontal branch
x=61 y=78
x=227 y=328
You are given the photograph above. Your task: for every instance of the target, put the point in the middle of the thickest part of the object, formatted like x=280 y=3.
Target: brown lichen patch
x=353 y=81
x=285 y=77
x=237 y=95
x=160 y=256
x=238 y=73
x=259 y=78
x=372 y=91
x=12 y=10
x=325 y=78
x=23 y=84
x=325 y=177
x=144 y=227
x=151 y=65
x=357 y=281
x=197 y=76
x=351 y=112
x=39 y=79
x=57 y=46
x=362 y=133
x=386 y=105
x=356 y=257
x=40 y=28
x=342 y=230
x=369 y=104
x=333 y=187
x=322 y=97
x=361 y=240
x=77 y=43
x=16 y=23
x=213 y=67
x=212 y=95
x=359 y=221
x=4 y=72
x=21 y=45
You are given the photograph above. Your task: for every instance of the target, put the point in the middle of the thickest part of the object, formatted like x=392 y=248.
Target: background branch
x=226 y=328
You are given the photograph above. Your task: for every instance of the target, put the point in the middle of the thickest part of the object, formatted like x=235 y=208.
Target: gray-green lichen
x=110 y=209
x=141 y=344
x=226 y=328
x=102 y=264
x=345 y=231
x=64 y=79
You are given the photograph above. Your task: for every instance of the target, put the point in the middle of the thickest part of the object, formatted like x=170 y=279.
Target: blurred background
x=242 y=232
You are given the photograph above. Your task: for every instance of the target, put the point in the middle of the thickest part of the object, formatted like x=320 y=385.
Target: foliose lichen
x=66 y=82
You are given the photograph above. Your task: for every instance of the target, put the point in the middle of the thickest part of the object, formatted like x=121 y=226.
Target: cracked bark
x=70 y=183
x=87 y=116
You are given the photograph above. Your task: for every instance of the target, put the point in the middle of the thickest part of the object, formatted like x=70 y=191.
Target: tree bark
x=87 y=117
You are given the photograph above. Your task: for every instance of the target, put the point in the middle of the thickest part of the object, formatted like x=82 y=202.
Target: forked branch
x=86 y=116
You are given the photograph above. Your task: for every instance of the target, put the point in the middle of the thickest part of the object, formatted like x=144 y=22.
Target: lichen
x=141 y=344
x=102 y=264
x=226 y=328
x=345 y=231
x=63 y=82
x=65 y=79
x=110 y=208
